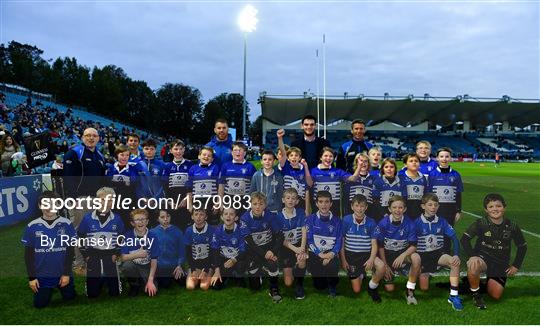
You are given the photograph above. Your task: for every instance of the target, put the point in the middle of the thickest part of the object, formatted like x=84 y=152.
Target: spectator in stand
x=8 y=147
x=310 y=145
x=63 y=148
x=166 y=155
x=348 y=150
x=221 y=142
x=135 y=156
x=111 y=147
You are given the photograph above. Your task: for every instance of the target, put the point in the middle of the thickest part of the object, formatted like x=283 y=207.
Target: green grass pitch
x=519 y=183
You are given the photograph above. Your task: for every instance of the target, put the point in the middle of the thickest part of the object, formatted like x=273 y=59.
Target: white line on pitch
x=524 y=231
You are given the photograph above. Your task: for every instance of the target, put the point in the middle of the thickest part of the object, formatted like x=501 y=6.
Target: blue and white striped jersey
x=445 y=185
x=384 y=190
x=328 y=180
x=203 y=180
x=431 y=232
x=236 y=177
x=357 y=236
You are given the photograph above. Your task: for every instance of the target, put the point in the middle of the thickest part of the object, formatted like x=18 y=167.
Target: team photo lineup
x=269 y=163
x=308 y=209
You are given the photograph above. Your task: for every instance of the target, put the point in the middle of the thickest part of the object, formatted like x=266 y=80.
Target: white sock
x=475 y=290
x=411 y=285
x=453 y=292
x=373 y=285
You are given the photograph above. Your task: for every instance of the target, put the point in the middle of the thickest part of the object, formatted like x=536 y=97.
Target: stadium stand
x=34 y=114
x=471 y=128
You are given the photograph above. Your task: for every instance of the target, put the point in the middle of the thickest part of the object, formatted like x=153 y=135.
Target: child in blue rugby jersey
x=295 y=172
x=413 y=184
x=396 y=239
x=293 y=255
x=140 y=251
x=359 y=250
x=235 y=177
x=324 y=243
x=228 y=250
x=175 y=178
x=430 y=231
x=203 y=184
x=326 y=177
x=99 y=225
x=385 y=187
x=446 y=183
x=375 y=156
x=362 y=185
x=263 y=238
x=197 y=240
x=171 y=243
x=49 y=265
x=128 y=179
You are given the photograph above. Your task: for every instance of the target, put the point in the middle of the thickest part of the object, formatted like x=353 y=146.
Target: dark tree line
x=173 y=109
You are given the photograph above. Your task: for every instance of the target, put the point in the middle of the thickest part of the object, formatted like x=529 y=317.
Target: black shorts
x=390 y=257
x=495 y=270
x=430 y=260
x=259 y=266
x=287 y=257
x=356 y=261
x=205 y=264
x=237 y=270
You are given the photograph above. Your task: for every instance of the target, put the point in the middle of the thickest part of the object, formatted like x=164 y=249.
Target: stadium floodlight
x=247 y=21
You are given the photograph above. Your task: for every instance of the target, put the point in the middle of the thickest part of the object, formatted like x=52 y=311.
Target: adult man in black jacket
x=310 y=145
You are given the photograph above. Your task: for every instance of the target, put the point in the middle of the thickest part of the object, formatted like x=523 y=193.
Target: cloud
x=484 y=49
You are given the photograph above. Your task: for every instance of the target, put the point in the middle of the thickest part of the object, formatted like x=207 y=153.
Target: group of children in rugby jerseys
x=293 y=224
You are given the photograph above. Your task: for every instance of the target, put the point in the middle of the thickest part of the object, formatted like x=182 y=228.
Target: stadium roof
x=408 y=111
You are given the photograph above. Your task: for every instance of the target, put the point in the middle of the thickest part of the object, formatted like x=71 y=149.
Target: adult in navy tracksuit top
x=348 y=150
x=221 y=142
x=97 y=227
x=84 y=167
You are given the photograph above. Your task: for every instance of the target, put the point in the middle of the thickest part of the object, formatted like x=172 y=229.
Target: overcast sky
x=484 y=49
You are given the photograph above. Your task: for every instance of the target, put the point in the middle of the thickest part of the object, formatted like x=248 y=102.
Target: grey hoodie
x=271 y=186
